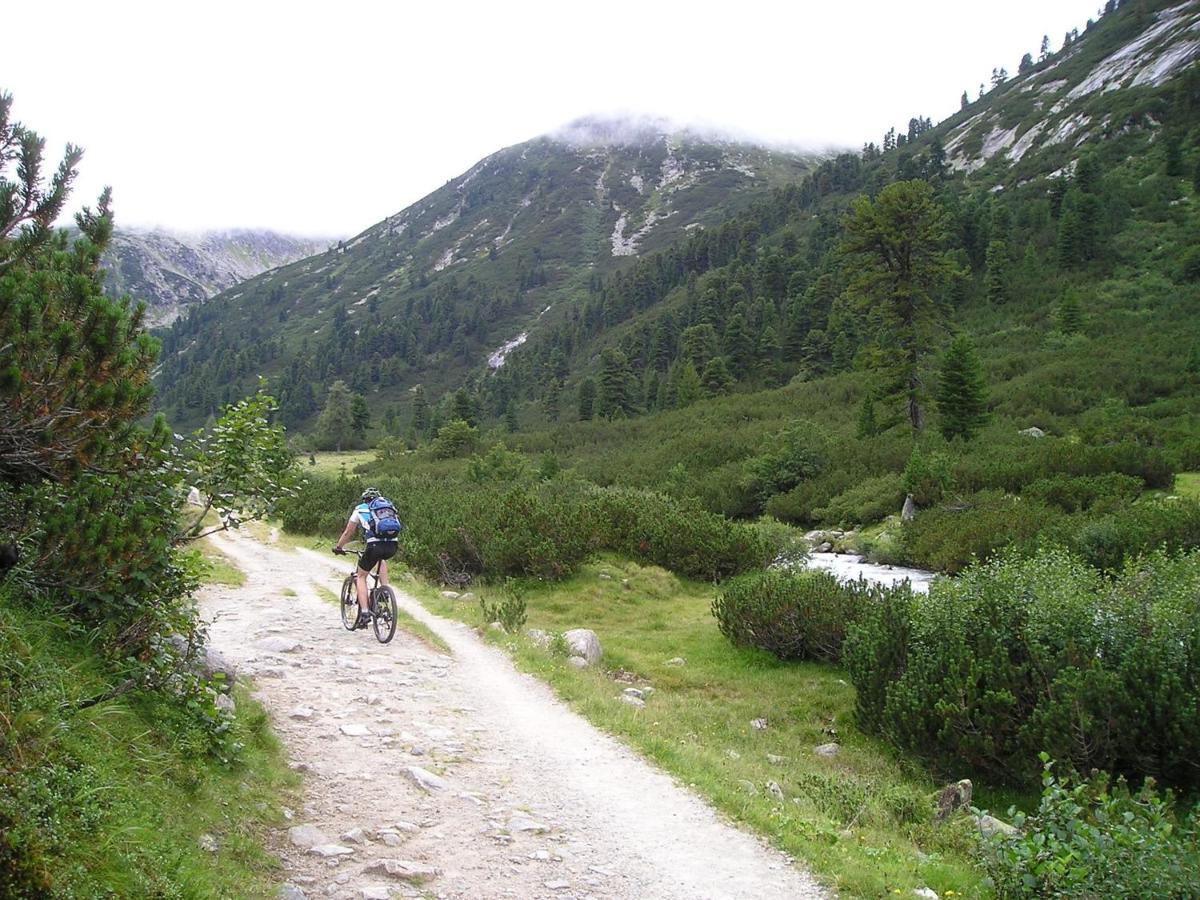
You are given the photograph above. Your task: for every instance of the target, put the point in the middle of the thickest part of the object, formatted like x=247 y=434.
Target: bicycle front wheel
x=384 y=620
x=349 y=603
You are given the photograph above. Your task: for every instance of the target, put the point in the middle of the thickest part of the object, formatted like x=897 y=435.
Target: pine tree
x=1026 y=64
x=716 y=377
x=463 y=409
x=360 y=417
x=1070 y=313
x=335 y=427
x=685 y=383
x=1045 y=49
x=616 y=391
x=738 y=346
x=867 y=426
x=961 y=391
x=996 y=274
x=897 y=241
x=510 y=417
x=551 y=398
x=587 y=399
x=964 y=102
x=420 y=416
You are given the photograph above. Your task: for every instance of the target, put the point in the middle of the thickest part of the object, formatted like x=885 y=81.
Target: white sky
x=323 y=118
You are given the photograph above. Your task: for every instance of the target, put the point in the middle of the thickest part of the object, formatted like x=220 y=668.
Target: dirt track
x=533 y=802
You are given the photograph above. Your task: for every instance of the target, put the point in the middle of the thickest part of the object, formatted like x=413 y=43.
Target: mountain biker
x=378 y=550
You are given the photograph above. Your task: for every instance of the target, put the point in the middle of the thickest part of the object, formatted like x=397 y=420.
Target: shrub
x=948 y=538
x=927 y=476
x=1096 y=839
x=1074 y=493
x=868 y=501
x=1022 y=655
x=1109 y=541
x=794 y=616
x=454 y=439
x=321 y=505
x=509 y=611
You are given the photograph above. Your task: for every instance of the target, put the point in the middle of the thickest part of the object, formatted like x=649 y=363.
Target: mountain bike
x=381 y=603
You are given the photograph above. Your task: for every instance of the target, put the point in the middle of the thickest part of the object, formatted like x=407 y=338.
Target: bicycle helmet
x=370 y=494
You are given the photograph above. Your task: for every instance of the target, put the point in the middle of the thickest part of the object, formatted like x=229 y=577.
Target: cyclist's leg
x=383 y=576
x=360 y=587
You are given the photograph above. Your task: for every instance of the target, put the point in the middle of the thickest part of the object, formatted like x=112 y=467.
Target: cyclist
x=377 y=551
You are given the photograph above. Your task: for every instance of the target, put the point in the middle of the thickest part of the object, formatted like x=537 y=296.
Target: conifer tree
x=716 y=377
x=462 y=408
x=685 y=383
x=587 y=399
x=898 y=242
x=551 y=397
x=360 y=417
x=1045 y=49
x=1070 y=313
x=616 y=391
x=964 y=102
x=961 y=391
x=420 y=416
x=335 y=427
x=867 y=426
x=996 y=273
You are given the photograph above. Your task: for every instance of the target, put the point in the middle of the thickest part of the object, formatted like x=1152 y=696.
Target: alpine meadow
x=858 y=492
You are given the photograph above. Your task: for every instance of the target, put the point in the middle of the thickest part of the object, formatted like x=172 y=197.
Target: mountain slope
x=171 y=271
x=429 y=294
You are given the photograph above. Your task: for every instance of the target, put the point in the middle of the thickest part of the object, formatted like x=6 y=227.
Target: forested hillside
x=428 y=295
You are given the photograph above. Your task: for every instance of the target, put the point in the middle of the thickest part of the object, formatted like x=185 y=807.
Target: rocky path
x=456 y=776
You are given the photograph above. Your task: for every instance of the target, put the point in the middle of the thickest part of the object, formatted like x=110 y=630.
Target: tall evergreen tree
x=1069 y=313
x=420 y=415
x=587 y=399
x=685 y=385
x=360 y=417
x=867 y=425
x=716 y=377
x=996 y=273
x=335 y=427
x=898 y=241
x=617 y=389
x=961 y=391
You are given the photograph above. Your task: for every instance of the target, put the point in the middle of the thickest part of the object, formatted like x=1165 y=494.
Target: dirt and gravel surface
x=454 y=776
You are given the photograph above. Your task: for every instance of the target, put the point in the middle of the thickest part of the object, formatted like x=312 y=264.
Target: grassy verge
x=1187 y=484
x=121 y=799
x=404 y=621
x=330 y=463
x=219 y=568
x=860 y=819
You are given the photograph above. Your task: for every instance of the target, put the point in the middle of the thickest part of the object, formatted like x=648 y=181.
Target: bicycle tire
x=384 y=619
x=349 y=604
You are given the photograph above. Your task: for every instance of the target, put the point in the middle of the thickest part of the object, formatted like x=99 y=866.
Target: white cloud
x=324 y=118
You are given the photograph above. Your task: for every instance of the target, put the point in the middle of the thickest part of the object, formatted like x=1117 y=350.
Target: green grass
x=219 y=568
x=860 y=820
x=114 y=799
x=1187 y=484
x=330 y=462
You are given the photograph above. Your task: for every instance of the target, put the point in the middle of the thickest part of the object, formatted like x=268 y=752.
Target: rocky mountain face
x=1095 y=88
x=445 y=283
x=171 y=271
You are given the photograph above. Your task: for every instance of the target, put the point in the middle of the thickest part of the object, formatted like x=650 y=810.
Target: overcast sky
x=322 y=118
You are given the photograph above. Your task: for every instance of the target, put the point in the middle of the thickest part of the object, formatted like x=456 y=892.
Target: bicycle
x=381 y=603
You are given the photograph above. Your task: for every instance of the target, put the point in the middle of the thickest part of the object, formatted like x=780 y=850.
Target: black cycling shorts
x=377 y=550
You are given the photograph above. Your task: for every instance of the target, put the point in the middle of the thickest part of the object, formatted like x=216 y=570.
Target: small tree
x=335 y=427
x=587 y=399
x=716 y=378
x=961 y=392
x=420 y=415
x=360 y=417
x=867 y=426
x=1069 y=313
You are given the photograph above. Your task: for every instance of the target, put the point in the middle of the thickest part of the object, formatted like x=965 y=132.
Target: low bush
x=1076 y=493
x=1021 y=655
x=1093 y=838
x=948 y=538
x=793 y=615
x=868 y=501
x=1109 y=541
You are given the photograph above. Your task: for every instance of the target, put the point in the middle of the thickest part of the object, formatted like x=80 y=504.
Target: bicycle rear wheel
x=349 y=603
x=384 y=620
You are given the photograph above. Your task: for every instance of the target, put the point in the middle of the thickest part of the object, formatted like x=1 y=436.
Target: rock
x=990 y=826
x=733 y=754
x=215 y=666
x=952 y=798
x=208 y=843
x=451 y=595
x=524 y=824
x=225 y=704
x=676 y=661
x=376 y=892
x=306 y=836
x=390 y=838
x=747 y=786
x=925 y=892
x=354 y=836
x=577 y=662
x=775 y=791
x=404 y=870
x=1033 y=431
x=330 y=850
x=583 y=642
x=637 y=702
x=908 y=512
x=634 y=692
x=604 y=576
x=467 y=597
x=828 y=750
x=278 y=645
x=825 y=547
x=290 y=892
x=425 y=780
x=355 y=729
x=557 y=885
x=405 y=827
x=300 y=712
x=776 y=760
x=194 y=498
x=758 y=724
x=539 y=637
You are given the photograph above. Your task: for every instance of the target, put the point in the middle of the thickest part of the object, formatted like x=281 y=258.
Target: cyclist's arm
x=348 y=533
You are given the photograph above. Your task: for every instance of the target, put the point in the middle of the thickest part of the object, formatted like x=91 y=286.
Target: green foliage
x=961 y=391
x=587 y=399
x=1076 y=493
x=792 y=615
x=1027 y=654
x=1092 y=838
x=1069 y=313
x=454 y=439
x=509 y=611
x=242 y=465
x=796 y=455
x=928 y=475
x=335 y=427
x=867 y=501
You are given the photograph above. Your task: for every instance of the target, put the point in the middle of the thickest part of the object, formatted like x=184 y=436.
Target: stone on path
x=300 y=712
x=376 y=892
x=404 y=870
x=307 y=836
x=425 y=779
x=278 y=645
x=354 y=836
x=331 y=850
x=558 y=885
x=355 y=729
x=583 y=642
x=522 y=823
x=290 y=892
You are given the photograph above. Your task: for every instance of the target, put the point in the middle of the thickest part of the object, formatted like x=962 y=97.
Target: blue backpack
x=385 y=524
